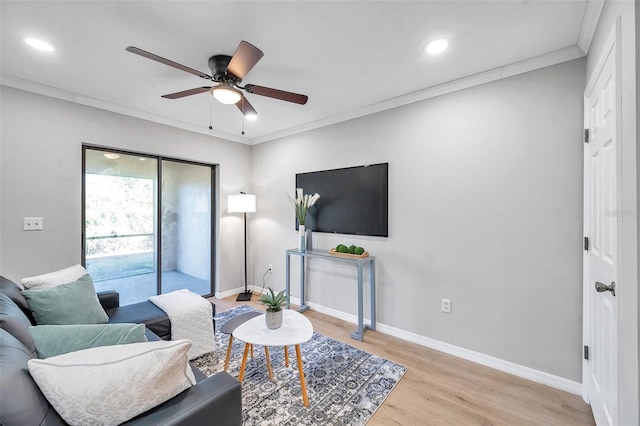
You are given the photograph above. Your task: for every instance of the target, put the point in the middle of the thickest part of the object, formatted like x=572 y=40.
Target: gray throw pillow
x=72 y=303
x=52 y=340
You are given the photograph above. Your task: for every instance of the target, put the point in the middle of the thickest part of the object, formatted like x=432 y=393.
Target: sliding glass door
x=186 y=227
x=147 y=224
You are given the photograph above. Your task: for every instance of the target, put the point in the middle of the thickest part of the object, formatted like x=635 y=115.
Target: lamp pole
x=245 y=256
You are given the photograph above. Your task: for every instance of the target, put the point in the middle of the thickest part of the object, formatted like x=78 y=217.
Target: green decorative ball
x=352 y=249
x=342 y=249
x=359 y=250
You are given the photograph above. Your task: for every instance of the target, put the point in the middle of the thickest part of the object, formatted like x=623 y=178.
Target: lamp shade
x=241 y=203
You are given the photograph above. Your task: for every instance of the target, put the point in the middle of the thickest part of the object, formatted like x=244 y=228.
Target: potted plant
x=274 y=303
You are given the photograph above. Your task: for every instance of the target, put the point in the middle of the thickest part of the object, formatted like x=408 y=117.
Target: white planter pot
x=273 y=319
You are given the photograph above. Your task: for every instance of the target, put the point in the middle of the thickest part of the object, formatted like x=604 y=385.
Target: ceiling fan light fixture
x=226 y=94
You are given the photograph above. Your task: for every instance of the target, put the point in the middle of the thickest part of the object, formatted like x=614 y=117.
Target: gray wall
x=485 y=208
x=40 y=175
x=627 y=283
x=637 y=31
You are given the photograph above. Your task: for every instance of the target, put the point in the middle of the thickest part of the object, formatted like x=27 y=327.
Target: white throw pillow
x=54 y=279
x=112 y=384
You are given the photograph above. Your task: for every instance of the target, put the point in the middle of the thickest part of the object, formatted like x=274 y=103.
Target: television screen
x=353 y=200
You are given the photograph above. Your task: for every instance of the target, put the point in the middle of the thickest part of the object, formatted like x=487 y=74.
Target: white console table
x=359 y=262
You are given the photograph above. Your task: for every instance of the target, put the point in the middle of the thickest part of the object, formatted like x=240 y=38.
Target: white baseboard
x=473 y=356
x=233 y=292
x=254 y=288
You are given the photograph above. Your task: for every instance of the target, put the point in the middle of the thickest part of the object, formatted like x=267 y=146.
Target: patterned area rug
x=345 y=385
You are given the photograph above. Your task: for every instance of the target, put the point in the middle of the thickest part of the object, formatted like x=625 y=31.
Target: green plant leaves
x=273 y=301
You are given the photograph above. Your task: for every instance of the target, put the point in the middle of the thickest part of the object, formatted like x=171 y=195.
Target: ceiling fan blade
x=277 y=94
x=186 y=93
x=245 y=107
x=162 y=60
x=244 y=58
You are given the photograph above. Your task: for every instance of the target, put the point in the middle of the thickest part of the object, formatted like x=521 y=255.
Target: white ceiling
x=350 y=58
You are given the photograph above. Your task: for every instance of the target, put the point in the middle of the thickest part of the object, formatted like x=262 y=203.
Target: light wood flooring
x=441 y=389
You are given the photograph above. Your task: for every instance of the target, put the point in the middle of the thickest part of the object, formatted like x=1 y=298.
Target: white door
x=601 y=227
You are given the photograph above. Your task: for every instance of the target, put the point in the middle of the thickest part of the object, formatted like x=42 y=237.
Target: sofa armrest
x=215 y=400
x=108 y=299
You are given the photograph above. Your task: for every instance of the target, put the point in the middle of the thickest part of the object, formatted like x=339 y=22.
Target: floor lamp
x=243 y=203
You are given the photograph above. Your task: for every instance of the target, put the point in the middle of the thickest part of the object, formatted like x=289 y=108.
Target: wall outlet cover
x=32 y=224
x=446 y=306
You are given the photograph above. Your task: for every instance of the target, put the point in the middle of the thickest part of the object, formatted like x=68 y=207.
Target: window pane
x=186 y=227
x=120 y=224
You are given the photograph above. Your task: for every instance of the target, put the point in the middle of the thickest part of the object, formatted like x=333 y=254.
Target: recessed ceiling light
x=112 y=156
x=39 y=44
x=252 y=117
x=436 y=46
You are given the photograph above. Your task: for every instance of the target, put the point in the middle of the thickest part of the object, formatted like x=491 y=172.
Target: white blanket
x=191 y=318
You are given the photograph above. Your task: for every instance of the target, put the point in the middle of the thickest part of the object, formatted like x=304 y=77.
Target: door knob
x=600 y=287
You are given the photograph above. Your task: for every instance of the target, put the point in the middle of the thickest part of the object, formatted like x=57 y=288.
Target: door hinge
x=586 y=352
x=586 y=135
x=586 y=243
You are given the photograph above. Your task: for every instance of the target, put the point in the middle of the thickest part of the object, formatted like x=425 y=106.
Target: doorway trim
x=627 y=212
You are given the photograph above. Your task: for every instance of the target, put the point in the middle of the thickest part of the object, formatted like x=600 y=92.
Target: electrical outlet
x=270 y=268
x=32 y=224
x=446 y=306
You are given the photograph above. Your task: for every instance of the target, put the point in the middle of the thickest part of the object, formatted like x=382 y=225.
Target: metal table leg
x=287 y=278
x=372 y=283
x=359 y=334
x=303 y=307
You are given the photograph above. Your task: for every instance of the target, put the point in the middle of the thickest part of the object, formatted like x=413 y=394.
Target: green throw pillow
x=52 y=340
x=72 y=303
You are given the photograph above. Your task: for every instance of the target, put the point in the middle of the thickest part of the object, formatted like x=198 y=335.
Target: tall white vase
x=301 y=238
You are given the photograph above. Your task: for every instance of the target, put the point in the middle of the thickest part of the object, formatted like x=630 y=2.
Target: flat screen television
x=353 y=200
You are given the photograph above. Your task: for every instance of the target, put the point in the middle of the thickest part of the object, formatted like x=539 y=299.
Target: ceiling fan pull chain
x=210 y=112
x=243 y=115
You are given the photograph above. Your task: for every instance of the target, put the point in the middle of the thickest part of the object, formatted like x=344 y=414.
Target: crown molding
x=589 y=23
x=505 y=71
x=531 y=64
x=42 y=89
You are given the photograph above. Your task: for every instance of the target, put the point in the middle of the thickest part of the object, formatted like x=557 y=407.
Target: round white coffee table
x=296 y=329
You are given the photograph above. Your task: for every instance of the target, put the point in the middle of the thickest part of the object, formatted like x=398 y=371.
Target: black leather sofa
x=216 y=400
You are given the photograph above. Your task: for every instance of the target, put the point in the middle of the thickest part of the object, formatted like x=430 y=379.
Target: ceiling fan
x=228 y=72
